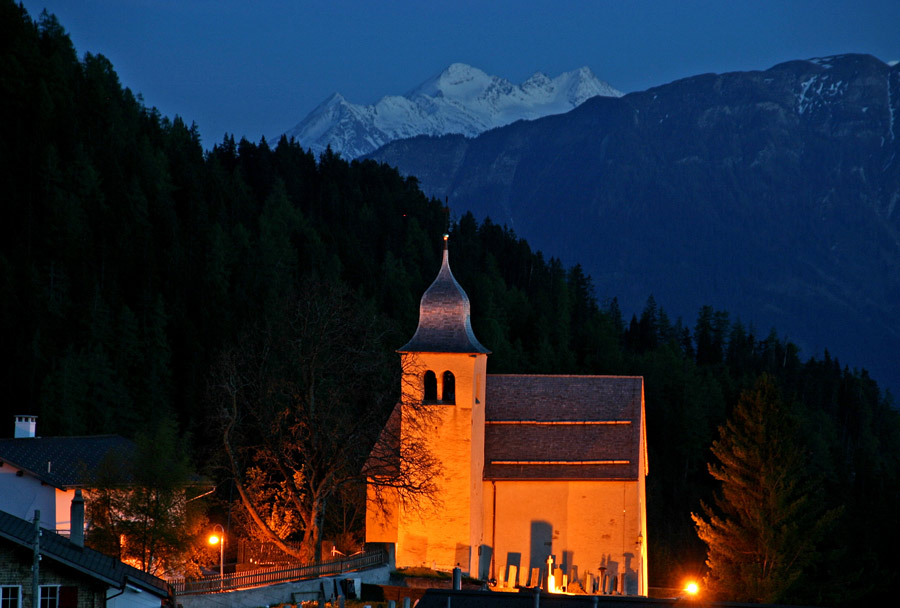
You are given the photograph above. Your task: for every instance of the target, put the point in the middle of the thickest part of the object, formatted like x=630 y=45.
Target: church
x=542 y=476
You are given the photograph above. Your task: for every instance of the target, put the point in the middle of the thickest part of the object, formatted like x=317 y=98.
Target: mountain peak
x=537 y=79
x=335 y=99
x=461 y=99
x=459 y=69
x=457 y=80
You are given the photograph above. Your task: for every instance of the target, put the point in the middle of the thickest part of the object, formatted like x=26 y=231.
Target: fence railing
x=270 y=576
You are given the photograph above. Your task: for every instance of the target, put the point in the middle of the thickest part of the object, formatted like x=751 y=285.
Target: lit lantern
x=219 y=539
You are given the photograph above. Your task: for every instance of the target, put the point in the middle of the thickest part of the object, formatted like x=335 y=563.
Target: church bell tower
x=444 y=368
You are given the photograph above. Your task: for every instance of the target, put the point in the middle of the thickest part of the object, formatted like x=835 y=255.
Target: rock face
x=771 y=194
x=461 y=99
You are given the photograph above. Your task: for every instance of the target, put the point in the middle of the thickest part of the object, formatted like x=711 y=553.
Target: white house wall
x=22 y=495
x=131 y=598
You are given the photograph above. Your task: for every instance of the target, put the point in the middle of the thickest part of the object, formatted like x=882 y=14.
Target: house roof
x=563 y=427
x=444 y=317
x=92 y=563
x=67 y=462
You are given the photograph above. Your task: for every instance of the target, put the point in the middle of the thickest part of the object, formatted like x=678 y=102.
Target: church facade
x=542 y=476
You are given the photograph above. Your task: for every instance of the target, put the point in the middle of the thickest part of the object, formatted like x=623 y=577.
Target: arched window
x=449 y=392
x=430 y=386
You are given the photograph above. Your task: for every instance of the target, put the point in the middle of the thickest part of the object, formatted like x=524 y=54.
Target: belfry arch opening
x=448 y=390
x=430 y=386
x=439 y=389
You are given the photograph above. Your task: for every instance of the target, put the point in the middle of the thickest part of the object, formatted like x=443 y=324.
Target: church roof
x=563 y=427
x=444 y=317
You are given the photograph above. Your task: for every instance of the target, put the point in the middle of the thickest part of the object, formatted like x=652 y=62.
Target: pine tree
x=762 y=538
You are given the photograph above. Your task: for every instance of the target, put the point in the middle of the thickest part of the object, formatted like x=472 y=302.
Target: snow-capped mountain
x=461 y=99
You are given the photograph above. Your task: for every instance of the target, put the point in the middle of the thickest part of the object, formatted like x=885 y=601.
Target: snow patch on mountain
x=819 y=90
x=461 y=99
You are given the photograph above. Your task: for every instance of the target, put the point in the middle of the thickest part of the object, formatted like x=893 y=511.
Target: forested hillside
x=130 y=259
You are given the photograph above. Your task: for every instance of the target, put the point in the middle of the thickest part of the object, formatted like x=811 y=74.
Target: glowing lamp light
x=218 y=538
x=692 y=588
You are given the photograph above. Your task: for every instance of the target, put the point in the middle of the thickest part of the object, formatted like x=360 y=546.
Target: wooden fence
x=270 y=576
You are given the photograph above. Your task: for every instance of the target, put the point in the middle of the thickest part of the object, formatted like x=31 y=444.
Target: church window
x=449 y=392
x=430 y=386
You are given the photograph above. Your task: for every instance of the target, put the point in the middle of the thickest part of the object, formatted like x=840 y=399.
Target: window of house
x=430 y=386
x=449 y=392
x=49 y=596
x=10 y=596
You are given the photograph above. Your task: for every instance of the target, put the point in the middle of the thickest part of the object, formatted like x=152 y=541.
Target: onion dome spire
x=444 y=322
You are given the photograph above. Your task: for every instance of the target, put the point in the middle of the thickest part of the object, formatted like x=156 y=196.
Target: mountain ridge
x=460 y=99
x=772 y=194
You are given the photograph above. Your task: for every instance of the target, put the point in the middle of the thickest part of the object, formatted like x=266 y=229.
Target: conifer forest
x=132 y=260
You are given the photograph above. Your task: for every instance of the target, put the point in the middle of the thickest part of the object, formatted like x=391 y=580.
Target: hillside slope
x=772 y=194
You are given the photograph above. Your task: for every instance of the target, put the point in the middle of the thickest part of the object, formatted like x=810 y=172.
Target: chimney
x=25 y=426
x=76 y=531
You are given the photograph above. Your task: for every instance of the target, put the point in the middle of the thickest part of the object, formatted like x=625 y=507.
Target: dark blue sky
x=257 y=67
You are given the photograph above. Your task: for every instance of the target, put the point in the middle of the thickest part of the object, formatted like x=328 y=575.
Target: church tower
x=444 y=368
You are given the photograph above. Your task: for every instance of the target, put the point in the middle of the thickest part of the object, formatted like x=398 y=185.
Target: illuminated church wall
x=584 y=525
x=449 y=533
x=532 y=465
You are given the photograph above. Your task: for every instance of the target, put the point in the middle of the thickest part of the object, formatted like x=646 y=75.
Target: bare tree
x=302 y=402
x=400 y=467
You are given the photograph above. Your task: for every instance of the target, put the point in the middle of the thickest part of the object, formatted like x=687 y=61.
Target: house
x=69 y=575
x=543 y=476
x=43 y=473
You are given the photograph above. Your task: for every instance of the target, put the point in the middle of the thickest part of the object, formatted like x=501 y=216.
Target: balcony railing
x=270 y=576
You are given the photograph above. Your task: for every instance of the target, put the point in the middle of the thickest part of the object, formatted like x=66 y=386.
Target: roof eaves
x=112 y=582
x=625 y=478
x=55 y=556
x=159 y=589
x=44 y=479
x=61 y=550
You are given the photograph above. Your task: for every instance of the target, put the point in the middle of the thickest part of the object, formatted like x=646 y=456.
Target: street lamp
x=219 y=539
x=692 y=588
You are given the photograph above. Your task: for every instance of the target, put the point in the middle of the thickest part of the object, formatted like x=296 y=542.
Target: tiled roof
x=444 y=322
x=66 y=462
x=93 y=563
x=562 y=427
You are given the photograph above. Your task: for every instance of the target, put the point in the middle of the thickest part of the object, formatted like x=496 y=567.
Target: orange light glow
x=214 y=539
x=692 y=588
